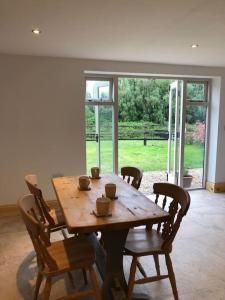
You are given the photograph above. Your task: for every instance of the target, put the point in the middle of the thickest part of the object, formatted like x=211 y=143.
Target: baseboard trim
x=13 y=208
x=215 y=187
x=9 y=208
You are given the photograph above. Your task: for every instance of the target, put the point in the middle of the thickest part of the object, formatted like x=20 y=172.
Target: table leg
x=114 y=285
x=110 y=263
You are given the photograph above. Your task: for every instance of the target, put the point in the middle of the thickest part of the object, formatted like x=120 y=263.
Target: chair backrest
x=32 y=179
x=39 y=233
x=134 y=174
x=43 y=208
x=176 y=201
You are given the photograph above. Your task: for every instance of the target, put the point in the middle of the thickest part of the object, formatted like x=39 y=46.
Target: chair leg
x=131 y=278
x=141 y=269
x=85 y=276
x=38 y=284
x=156 y=260
x=171 y=276
x=70 y=276
x=64 y=233
x=95 y=284
x=47 y=288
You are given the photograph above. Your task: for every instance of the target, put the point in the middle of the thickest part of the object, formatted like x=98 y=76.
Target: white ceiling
x=129 y=30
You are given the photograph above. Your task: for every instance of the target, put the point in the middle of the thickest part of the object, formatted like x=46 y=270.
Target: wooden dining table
x=130 y=209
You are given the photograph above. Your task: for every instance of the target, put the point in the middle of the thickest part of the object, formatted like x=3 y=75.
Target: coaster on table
x=80 y=189
x=99 y=216
x=114 y=198
x=95 y=177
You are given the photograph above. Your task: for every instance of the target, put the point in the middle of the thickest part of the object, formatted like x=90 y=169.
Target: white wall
x=41 y=122
x=220 y=161
x=42 y=117
x=213 y=129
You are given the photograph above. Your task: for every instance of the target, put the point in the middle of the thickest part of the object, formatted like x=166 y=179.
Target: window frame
x=113 y=101
x=198 y=101
x=96 y=100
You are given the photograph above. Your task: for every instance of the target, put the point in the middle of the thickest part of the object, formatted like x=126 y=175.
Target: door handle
x=96 y=137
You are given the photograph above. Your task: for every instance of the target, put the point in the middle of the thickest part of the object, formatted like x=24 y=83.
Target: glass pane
x=99 y=139
x=196 y=91
x=143 y=127
x=98 y=90
x=194 y=148
x=106 y=139
x=91 y=147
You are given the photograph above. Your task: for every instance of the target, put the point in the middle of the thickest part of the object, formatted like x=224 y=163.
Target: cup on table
x=84 y=182
x=110 y=190
x=103 y=206
x=95 y=171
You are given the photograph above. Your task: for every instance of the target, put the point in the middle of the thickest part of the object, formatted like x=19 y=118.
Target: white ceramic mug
x=84 y=182
x=110 y=190
x=102 y=206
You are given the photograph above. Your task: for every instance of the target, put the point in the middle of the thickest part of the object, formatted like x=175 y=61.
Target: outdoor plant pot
x=187 y=180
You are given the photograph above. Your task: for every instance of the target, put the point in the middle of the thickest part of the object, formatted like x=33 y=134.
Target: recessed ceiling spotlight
x=36 y=31
x=194 y=45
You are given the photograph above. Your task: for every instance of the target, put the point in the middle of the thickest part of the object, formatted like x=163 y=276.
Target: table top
x=132 y=208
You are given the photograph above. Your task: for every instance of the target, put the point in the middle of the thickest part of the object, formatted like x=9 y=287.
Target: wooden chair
x=58 y=257
x=155 y=242
x=134 y=174
x=51 y=216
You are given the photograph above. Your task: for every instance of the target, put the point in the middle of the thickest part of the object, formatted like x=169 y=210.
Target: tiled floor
x=198 y=257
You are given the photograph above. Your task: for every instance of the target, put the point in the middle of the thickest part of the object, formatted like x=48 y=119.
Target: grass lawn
x=152 y=157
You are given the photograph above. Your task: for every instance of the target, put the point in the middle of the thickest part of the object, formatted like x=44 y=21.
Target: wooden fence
x=127 y=133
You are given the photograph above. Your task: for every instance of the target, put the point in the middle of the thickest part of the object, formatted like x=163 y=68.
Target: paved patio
x=160 y=176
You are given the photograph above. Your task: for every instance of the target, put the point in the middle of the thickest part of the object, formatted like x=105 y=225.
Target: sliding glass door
x=157 y=125
x=187 y=123
x=195 y=133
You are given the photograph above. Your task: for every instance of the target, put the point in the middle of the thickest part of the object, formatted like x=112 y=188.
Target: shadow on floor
x=27 y=274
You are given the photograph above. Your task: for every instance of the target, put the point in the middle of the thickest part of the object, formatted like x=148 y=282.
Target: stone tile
x=198 y=257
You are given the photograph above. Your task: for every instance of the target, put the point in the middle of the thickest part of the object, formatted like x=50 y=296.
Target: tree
x=143 y=100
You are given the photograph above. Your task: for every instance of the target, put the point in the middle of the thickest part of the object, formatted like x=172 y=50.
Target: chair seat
x=57 y=216
x=72 y=253
x=141 y=242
